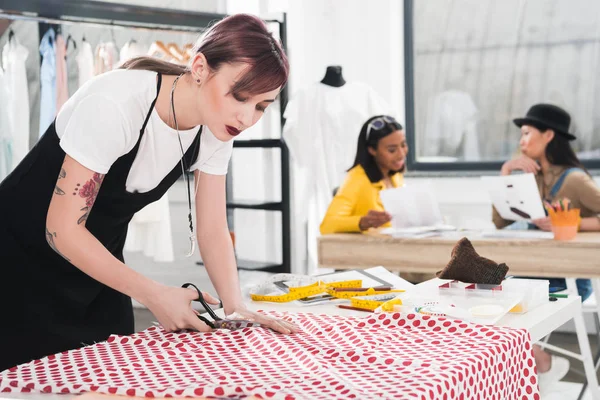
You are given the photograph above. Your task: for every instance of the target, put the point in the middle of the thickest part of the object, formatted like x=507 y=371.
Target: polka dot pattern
x=410 y=356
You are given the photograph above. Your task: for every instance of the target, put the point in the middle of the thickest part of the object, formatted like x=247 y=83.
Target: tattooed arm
x=74 y=194
x=76 y=190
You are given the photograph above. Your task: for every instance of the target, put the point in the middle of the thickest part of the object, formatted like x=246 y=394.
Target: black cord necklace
x=192 y=237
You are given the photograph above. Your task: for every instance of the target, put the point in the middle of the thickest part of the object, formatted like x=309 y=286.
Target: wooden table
x=526 y=257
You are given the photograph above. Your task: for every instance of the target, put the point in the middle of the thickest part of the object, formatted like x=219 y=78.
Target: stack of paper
x=414 y=209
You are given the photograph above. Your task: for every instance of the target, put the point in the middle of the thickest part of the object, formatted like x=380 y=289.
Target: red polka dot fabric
x=382 y=356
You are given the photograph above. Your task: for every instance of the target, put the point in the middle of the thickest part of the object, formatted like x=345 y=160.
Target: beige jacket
x=578 y=187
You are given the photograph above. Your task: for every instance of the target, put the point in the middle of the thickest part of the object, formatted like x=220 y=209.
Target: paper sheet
x=515 y=197
x=412 y=205
x=513 y=234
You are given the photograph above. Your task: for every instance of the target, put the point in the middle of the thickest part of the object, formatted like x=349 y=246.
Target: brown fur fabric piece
x=467 y=266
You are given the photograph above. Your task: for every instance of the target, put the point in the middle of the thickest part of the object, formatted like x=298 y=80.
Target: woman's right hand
x=172 y=307
x=374 y=219
x=522 y=163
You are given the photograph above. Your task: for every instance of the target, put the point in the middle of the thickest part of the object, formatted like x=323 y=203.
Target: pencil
x=380 y=288
x=354 y=308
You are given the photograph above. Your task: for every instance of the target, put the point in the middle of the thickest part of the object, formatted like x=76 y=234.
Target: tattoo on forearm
x=61 y=175
x=89 y=192
x=50 y=239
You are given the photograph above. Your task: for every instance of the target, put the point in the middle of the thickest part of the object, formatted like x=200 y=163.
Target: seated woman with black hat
x=547 y=152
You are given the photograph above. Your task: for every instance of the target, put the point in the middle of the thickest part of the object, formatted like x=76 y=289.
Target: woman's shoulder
x=357 y=176
x=121 y=84
x=575 y=176
x=357 y=172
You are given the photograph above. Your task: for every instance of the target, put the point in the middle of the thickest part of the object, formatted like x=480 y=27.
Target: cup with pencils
x=564 y=218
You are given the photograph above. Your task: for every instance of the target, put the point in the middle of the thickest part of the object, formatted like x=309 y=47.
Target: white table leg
x=586 y=354
x=596 y=293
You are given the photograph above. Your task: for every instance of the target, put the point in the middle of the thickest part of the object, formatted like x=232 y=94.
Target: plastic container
x=532 y=292
x=535 y=293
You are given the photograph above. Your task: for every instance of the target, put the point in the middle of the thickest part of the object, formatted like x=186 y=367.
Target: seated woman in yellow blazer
x=379 y=163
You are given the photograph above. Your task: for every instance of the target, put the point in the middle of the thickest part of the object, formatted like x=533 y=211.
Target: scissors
x=219 y=323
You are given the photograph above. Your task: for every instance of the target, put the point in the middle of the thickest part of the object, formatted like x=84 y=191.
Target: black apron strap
x=158 y=83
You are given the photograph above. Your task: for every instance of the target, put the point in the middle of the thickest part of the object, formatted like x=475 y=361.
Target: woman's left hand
x=278 y=325
x=543 y=223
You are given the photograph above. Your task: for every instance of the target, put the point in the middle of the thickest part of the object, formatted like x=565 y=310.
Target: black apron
x=48 y=305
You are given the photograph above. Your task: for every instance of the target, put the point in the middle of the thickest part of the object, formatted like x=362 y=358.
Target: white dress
x=321 y=132
x=14 y=56
x=85 y=63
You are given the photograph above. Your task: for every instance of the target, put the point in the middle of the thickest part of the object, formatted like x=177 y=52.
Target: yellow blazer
x=354 y=199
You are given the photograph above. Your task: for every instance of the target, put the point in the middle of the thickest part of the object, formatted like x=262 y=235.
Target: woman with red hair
x=118 y=144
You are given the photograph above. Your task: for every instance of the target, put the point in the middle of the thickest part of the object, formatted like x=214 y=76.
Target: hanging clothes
x=321 y=131
x=106 y=58
x=149 y=231
x=6 y=139
x=62 y=88
x=85 y=62
x=14 y=56
x=130 y=50
x=48 y=80
x=451 y=128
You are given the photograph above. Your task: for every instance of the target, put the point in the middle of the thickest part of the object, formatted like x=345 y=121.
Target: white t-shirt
x=102 y=120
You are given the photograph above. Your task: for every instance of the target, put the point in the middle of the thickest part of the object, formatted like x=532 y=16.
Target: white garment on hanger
x=451 y=127
x=85 y=62
x=14 y=56
x=48 y=81
x=321 y=132
x=6 y=139
x=130 y=50
x=106 y=58
x=150 y=231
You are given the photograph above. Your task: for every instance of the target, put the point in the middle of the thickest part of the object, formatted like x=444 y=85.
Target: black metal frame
x=111 y=14
x=282 y=206
x=409 y=89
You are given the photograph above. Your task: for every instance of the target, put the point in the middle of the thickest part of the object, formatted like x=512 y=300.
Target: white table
x=540 y=321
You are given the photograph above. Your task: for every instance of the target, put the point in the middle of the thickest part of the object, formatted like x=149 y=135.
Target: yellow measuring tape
x=386 y=301
x=300 y=292
x=366 y=299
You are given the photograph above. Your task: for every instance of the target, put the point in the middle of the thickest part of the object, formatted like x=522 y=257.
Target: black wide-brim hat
x=549 y=116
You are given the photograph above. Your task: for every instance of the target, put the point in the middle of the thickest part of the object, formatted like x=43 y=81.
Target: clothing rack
x=102 y=14
x=126 y=16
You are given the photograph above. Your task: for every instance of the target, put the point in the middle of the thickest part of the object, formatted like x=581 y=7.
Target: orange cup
x=565 y=232
x=565 y=224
